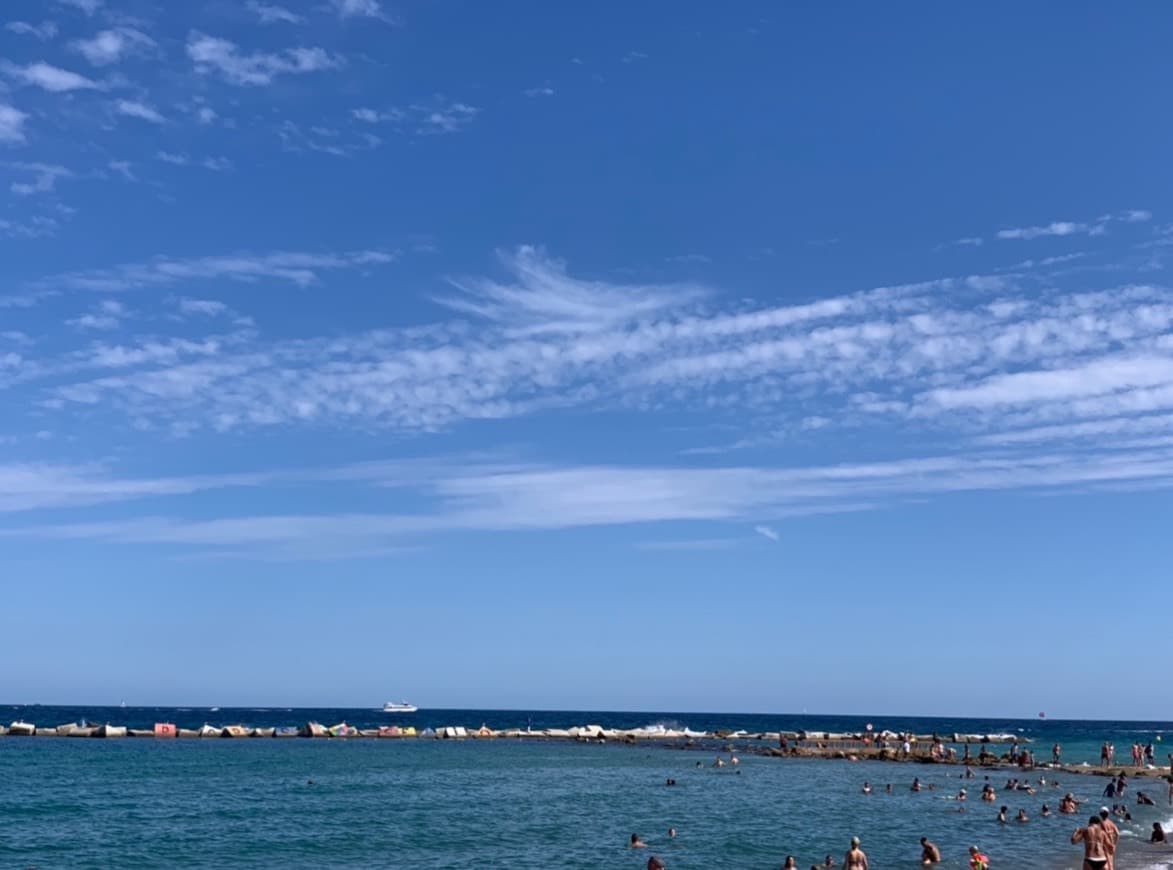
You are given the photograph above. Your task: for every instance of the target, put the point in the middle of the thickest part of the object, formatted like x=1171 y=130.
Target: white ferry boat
x=399 y=707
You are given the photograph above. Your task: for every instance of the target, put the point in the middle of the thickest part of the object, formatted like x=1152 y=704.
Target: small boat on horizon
x=399 y=707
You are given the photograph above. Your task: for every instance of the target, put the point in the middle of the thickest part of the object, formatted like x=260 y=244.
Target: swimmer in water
x=671 y=833
x=1158 y=834
x=856 y=858
x=1021 y=817
x=888 y=788
x=977 y=860
x=791 y=862
x=655 y=863
x=637 y=843
x=867 y=788
x=1002 y=814
x=1046 y=812
x=916 y=783
x=929 y=853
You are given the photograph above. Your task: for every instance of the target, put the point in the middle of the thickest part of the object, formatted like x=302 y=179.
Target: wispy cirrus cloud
x=89 y=7
x=139 y=110
x=112 y=46
x=938 y=353
x=108 y=315
x=11 y=124
x=299 y=268
x=45 y=176
x=48 y=77
x=45 y=30
x=210 y=55
x=1074 y=228
x=441 y=117
x=529 y=497
x=270 y=13
x=436 y=117
x=360 y=9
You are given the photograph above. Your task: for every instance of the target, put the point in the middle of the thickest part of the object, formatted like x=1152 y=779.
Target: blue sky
x=621 y=357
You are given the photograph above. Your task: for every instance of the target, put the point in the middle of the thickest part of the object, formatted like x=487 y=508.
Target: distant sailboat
x=123 y=705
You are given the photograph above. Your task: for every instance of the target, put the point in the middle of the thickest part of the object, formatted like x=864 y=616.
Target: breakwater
x=899 y=745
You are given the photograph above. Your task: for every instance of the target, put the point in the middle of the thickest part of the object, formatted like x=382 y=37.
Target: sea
x=530 y=803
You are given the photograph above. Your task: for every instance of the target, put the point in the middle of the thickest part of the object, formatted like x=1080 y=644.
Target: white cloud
x=89 y=7
x=44 y=30
x=49 y=77
x=359 y=9
x=123 y=168
x=94 y=321
x=135 y=109
x=1057 y=228
x=172 y=158
x=1104 y=375
x=376 y=116
x=273 y=14
x=111 y=46
x=210 y=54
x=109 y=315
x=943 y=353
x=205 y=307
x=216 y=164
x=544 y=298
x=44 y=180
x=444 y=117
x=36 y=227
x=206 y=115
x=1072 y=228
x=634 y=56
x=296 y=267
x=971 y=241
x=524 y=497
x=41 y=486
x=11 y=124
x=544 y=91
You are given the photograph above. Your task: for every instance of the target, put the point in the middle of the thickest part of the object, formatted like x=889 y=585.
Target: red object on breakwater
x=164 y=729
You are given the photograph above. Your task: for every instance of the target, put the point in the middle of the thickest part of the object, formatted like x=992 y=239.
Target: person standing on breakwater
x=929 y=853
x=856 y=858
x=1056 y=751
x=1095 y=845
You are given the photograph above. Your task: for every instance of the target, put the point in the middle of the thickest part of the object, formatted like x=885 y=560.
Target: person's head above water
x=855 y=842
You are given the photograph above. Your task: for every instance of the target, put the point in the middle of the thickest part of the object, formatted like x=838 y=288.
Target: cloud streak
x=212 y=55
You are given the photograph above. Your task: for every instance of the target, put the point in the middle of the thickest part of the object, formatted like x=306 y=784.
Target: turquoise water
x=508 y=804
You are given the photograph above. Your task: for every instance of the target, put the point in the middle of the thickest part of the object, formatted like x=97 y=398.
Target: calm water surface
x=509 y=804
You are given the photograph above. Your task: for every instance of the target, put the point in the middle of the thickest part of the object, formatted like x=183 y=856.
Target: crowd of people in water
x=1099 y=837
